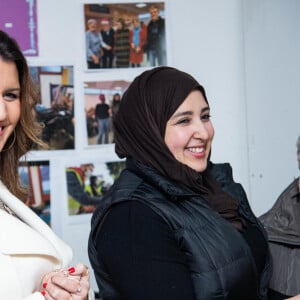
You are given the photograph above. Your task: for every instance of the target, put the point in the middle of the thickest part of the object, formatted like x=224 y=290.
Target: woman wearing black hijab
x=174 y=225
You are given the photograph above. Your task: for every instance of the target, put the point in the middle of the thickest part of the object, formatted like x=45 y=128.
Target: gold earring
x=12 y=143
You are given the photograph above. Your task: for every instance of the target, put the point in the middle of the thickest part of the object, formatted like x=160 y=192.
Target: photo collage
x=121 y=39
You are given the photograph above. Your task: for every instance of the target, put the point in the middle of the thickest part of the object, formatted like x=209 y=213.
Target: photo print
x=35 y=176
x=125 y=35
x=102 y=100
x=56 y=105
x=19 y=19
x=88 y=182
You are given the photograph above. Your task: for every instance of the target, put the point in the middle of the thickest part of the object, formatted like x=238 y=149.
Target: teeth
x=196 y=150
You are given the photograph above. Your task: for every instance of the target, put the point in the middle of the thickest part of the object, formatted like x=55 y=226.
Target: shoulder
x=222 y=172
x=138 y=212
x=131 y=223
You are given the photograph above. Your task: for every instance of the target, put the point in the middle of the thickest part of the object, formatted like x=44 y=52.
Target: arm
x=102 y=43
x=77 y=192
x=89 y=52
x=142 y=257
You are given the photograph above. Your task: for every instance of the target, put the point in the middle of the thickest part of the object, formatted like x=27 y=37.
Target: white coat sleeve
x=35 y=296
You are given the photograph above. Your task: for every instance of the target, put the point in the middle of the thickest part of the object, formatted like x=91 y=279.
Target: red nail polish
x=43 y=293
x=71 y=270
x=44 y=285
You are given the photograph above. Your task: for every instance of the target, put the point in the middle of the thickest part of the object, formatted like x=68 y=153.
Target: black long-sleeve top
x=144 y=260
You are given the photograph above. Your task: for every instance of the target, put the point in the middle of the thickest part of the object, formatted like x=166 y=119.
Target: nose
x=200 y=131
x=3 y=110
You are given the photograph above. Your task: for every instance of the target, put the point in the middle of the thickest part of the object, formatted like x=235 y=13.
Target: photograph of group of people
x=55 y=109
x=88 y=182
x=102 y=101
x=125 y=35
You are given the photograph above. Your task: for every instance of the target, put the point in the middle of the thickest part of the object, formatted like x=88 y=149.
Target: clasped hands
x=67 y=284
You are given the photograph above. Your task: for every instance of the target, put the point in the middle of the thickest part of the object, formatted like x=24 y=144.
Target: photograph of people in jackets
x=55 y=108
x=125 y=35
x=184 y=226
x=87 y=183
x=80 y=201
x=102 y=100
x=35 y=262
x=282 y=223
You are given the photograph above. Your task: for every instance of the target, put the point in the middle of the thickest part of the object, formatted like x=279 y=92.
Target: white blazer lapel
x=40 y=231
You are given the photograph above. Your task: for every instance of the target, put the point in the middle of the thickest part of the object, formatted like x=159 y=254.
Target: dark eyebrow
x=189 y=113
x=13 y=90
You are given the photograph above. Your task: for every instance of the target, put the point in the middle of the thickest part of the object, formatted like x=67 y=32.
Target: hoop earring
x=12 y=143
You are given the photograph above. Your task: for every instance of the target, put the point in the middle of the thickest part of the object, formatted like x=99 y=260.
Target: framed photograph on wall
x=35 y=176
x=124 y=35
x=102 y=100
x=87 y=183
x=19 y=19
x=56 y=105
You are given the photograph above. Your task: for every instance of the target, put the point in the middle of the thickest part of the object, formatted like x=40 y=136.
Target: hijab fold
x=139 y=128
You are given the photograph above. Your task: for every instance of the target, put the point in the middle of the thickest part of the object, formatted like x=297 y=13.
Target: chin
x=199 y=168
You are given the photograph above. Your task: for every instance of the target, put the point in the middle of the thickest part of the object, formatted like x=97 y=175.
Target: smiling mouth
x=196 y=149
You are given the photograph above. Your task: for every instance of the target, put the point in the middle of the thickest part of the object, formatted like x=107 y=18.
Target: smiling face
x=10 y=105
x=189 y=132
x=92 y=25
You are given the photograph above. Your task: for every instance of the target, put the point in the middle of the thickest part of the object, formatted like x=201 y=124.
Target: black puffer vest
x=216 y=253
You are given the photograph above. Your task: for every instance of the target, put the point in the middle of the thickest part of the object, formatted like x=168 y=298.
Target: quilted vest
x=216 y=253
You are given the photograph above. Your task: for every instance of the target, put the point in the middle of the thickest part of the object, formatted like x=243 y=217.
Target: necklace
x=4 y=207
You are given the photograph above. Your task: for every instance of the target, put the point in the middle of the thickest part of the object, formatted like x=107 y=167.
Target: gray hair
x=90 y=21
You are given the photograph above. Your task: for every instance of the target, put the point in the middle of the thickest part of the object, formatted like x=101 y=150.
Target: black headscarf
x=139 y=130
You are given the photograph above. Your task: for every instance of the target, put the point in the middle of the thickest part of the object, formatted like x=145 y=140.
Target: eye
x=205 y=117
x=11 y=96
x=183 y=121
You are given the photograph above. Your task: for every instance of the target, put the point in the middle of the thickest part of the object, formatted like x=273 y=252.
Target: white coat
x=28 y=250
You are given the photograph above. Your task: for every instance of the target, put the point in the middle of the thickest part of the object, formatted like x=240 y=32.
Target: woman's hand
x=67 y=284
x=294 y=298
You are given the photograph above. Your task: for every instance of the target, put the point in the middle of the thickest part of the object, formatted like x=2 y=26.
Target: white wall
x=272 y=47
x=205 y=38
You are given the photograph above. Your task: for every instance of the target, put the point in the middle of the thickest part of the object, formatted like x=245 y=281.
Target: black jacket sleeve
x=77 y=192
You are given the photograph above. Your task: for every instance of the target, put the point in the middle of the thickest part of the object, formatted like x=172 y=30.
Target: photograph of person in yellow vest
x=88 y=182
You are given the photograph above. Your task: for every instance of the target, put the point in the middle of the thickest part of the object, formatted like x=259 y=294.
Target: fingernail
x=44 y=285
x=71 y=270
x=43 y=293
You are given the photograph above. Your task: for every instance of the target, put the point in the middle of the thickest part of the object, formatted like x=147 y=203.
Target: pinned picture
x=125 y=35
x=102 y=100
x=56 y=105
x=35 y=176
x=88 y=182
